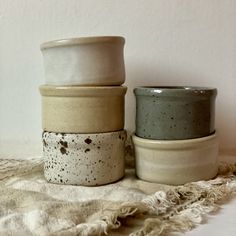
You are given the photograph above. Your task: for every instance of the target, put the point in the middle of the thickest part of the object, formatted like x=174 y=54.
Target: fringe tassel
x=177 y=210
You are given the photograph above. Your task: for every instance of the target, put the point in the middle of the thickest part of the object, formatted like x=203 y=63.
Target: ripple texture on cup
x=174 y=113
x=84 y=159
x=176 y=162
x=87 y=61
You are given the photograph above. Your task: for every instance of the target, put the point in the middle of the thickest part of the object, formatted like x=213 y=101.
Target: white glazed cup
x=82 y=109
x=84 y=159
x=176 y=162
x=84 y=61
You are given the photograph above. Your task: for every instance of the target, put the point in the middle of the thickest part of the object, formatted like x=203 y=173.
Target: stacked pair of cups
x=175 y=140
x=83 y=110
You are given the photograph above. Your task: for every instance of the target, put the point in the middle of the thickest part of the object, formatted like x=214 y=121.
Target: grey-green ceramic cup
x=175 y=113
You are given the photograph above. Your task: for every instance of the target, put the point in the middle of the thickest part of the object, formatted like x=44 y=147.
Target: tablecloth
x=31 y=206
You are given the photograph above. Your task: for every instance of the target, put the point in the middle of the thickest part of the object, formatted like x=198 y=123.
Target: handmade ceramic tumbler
x=175 y=140
x=88 y=61
x=84 y=159
x=174 y=113
x=176 y=162
x=83 y=110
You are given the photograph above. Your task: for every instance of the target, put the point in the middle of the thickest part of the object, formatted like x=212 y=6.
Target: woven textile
x=31 y=206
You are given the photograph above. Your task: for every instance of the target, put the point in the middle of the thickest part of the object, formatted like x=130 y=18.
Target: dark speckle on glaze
x=87 y=150
x=63 y=150
x=64 y=144
x=73 y=160
x=44 y=143
x=88 y=140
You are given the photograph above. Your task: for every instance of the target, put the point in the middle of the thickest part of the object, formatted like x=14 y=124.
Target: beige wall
x=174 y=42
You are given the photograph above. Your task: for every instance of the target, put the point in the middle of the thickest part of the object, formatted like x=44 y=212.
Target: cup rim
x=175 y=91
x=173 y=144
x=82 y=40
x=81 y=91
x=71 y=136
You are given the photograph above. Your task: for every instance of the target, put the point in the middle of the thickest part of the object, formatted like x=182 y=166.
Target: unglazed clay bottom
x=84 y=159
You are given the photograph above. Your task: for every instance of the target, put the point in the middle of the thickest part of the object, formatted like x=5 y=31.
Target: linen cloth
x=31 y=206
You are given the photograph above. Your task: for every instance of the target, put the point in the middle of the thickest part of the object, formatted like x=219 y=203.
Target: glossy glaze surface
x=173 y=113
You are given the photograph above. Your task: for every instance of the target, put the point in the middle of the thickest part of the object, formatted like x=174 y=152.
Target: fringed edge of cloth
x=179 y=209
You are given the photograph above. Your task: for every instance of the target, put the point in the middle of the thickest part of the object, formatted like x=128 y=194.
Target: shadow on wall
x=225 y=124
x=138 y=75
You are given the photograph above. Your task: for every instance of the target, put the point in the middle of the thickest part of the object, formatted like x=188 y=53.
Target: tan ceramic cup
x=82 y=109
x=88 y=61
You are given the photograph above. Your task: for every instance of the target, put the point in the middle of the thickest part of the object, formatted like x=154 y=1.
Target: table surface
x=221 y=223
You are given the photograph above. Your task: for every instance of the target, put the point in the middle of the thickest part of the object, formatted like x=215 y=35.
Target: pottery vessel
x=174 y=113
x=176 y=162
x=84 y=61
x=84 y=159
x=82 y=109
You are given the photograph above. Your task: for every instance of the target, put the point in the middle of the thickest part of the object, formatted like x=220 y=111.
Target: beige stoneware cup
x=82 y=109
x=178 y=161
x=87 y=61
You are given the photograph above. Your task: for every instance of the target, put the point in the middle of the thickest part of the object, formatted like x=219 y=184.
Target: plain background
x=168 y=42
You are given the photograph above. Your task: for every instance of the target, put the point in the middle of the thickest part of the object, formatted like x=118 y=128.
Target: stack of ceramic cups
x=83 y=110
x=175 y=140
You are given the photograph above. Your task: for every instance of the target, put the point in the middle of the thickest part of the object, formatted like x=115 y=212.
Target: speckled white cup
x=178 y=161
x=84 y=159
x=84 y=61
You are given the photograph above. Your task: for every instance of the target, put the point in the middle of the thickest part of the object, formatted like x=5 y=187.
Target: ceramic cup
x=82 y=109
x=174 y=113
x=84 y=159
x=84 y=61
x=176 y=162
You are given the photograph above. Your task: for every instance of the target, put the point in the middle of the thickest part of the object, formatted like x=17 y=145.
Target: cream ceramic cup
x=84 y=61
x=176 y=162
x=84 y=159
x=82 y=109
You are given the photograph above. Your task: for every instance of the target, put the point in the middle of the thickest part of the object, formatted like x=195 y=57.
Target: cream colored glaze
x=176 y=162
x=87 y=61
x=82 y=109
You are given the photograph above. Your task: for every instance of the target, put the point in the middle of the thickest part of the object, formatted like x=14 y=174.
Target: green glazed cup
x=175 y=113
